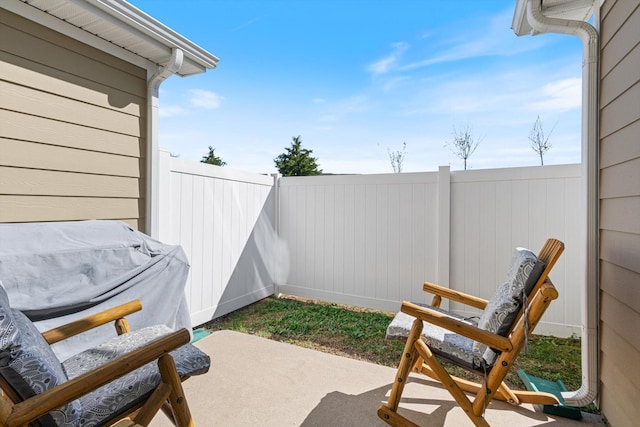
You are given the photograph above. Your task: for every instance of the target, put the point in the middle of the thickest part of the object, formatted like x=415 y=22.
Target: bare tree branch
x=396 y=158
x=538 y=140
x=464 y=144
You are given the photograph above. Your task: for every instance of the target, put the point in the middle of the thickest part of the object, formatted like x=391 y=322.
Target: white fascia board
x=520 y=25
x=145 y=24
x=127 y=18
x=36 y=15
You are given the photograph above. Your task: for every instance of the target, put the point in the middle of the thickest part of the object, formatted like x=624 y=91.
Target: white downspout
x=589 y=36
x=152 y=187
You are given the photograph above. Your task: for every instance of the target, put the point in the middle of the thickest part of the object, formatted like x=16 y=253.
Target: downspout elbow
x=167 y=70
x=543 y=24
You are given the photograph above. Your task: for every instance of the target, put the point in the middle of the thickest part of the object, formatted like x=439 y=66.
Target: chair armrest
x=40 y=404
x=450 y=294
x=439 y=319
x=81 y=325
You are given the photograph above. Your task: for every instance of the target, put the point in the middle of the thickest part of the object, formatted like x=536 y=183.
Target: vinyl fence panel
x=225 y=221
x=370 y=240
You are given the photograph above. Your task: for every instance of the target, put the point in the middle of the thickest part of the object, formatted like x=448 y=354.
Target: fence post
x=276 y=227
x=444 y=227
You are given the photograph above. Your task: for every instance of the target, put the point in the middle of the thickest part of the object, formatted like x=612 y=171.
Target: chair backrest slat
x=549 y=254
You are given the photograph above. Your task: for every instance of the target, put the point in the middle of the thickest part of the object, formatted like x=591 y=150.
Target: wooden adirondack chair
x=489 y=346
x=123 y=382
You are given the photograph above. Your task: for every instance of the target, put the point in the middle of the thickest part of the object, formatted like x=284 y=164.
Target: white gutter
x=152 y=195
x=123 y=14
x=589 y=36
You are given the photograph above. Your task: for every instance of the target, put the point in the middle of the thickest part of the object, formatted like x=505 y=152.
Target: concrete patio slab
x=259 y=382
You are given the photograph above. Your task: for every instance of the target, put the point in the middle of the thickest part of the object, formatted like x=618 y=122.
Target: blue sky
x=357 y=78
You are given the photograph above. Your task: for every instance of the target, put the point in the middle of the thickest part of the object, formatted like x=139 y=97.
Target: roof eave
x=116 y=27
x=200 y=59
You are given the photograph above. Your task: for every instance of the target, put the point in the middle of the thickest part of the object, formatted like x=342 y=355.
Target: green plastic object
x=198 y=334
x=554 y=387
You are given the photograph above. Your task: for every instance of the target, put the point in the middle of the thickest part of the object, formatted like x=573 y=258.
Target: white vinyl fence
x=224 y=220
x=370 y=240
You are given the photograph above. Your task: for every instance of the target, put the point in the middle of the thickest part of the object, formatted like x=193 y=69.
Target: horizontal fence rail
x=369 y=240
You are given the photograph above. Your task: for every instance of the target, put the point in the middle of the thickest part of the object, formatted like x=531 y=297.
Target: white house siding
x=72 y=123
x=620 y=211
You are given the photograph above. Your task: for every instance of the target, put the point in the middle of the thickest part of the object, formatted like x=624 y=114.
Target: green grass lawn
x=360 y=334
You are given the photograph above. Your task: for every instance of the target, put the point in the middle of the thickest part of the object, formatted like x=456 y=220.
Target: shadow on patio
x=258 y=382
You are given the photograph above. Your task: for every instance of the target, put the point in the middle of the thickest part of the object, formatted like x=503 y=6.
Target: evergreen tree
x=297 y=161
x=212 y=159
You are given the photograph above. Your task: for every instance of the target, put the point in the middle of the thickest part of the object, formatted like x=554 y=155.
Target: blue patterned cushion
x=28 y=363
x=100 y=406
x=440 y=340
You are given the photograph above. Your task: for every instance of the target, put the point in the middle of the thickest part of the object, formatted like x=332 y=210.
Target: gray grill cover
x=61 y=271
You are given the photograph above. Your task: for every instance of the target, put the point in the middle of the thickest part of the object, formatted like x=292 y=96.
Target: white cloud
x=479 y=38
x=562 y=95
x=172 y=111
x=336 y=112
x=400 y=99
x=204 y=99
x=385 y=64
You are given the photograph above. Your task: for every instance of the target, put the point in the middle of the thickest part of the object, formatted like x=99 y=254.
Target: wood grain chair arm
x=40 y=404
x=439 y=319
x=81 y=325
x=456 y=296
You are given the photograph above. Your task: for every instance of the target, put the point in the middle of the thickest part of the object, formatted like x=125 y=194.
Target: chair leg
x=508 y=394
x=179 y=405
x=153 y=404
x=417 y=366
x=409 y=357
x=388 y=412
x=504 y=393
x=168 y=412
x=450 y=384
x=393 y=418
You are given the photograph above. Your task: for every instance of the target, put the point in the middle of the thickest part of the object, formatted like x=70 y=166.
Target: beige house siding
x=72 y=129
x=620 y=211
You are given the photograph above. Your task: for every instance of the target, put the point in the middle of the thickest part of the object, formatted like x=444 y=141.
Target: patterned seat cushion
x=440 y=340
x=103 y=404
x=497 y=317
x=29 y=365
x=503 y=307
